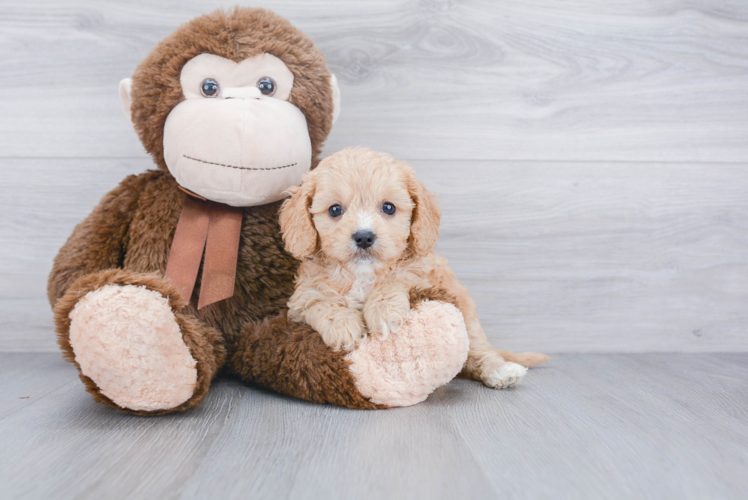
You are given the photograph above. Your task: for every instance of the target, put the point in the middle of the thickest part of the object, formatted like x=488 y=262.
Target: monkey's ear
x=299 y=233
x=125 y=87
x=335 y=98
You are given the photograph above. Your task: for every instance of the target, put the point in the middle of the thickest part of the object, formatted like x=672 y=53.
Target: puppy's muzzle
x=364 y=239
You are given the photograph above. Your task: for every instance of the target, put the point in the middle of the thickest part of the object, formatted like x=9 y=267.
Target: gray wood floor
x=654 y=426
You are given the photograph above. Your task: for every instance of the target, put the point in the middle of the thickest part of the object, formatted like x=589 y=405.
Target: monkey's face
x=235 y=104
x=235 y=138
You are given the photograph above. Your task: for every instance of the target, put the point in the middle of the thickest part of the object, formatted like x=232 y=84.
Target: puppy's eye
x=209 y=88
x=335 y=211
x=266 y=85
x=388 y=208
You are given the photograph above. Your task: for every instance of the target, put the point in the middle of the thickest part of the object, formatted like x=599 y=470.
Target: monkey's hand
x=387 y=315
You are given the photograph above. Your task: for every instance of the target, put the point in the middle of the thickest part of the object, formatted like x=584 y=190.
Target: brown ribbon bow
x=215 y=228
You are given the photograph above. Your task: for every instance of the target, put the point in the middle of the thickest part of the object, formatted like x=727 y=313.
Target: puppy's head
x=359 y=205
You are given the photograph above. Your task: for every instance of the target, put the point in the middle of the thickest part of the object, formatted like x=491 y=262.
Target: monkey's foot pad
x=127 y=340
x=404 y=368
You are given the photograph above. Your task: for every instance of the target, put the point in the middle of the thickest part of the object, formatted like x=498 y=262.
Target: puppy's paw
x=386 y=316
x=344 y=332
x=507 y=375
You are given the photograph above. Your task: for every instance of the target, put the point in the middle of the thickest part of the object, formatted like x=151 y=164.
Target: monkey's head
x=236 y=105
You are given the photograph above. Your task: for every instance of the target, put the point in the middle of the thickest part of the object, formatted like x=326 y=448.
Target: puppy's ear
x=424 y=224
x=297 y=227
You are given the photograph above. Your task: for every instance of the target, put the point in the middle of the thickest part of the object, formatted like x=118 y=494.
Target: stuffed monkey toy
x=180 y=273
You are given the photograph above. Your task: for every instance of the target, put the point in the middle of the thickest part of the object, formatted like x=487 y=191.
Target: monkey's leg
x=292 y=359
x=135 y=351
x=402 y=370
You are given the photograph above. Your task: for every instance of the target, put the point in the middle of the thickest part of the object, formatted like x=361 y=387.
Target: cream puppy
x=365 y=229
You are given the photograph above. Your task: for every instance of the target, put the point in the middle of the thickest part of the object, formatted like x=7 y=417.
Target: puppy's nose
x=364 y=239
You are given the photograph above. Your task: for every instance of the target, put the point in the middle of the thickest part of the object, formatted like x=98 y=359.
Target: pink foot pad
x=127 y=340
x=427 y=352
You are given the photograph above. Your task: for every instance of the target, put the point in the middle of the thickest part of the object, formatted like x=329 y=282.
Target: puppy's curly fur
x=345 y=290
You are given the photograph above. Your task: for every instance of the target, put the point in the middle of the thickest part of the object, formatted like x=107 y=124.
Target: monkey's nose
x=241 y=93
x=364 y=239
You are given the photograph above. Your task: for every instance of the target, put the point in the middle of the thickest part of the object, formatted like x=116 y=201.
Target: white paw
x=127 y=340
x=508 y=375
x=384 y=330
x=388 y=326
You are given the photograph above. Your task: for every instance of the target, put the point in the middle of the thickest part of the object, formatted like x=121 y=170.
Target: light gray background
x=592 y=162
x=591 y=157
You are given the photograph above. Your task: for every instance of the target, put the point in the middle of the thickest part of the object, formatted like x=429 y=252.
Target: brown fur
x=98 y=242
x=418 y=295
x=290 y=358
x=126 y=239
x=237 y=35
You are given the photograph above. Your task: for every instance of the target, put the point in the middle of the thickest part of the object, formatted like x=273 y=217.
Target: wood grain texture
x=664 y=426
x=631 y=80
x=28 y=377
x=588 y=257
x=599 y=257
x=630 y=235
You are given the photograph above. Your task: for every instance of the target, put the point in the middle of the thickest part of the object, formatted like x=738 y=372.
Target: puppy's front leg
x=340 y=327
x=387 y=308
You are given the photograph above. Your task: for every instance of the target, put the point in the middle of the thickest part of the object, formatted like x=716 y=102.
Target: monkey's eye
x=388 y=208
x=266 y=85
x=335 y=211
x=209 y=88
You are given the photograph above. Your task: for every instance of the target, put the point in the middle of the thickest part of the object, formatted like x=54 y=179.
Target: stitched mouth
x=237 y=166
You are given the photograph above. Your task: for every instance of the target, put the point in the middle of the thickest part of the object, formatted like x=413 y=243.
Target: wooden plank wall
x=592 y=157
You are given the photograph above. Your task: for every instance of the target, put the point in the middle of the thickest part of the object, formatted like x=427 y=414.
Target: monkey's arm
x=99 y=242
x=291 y=358
x=121 y=358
